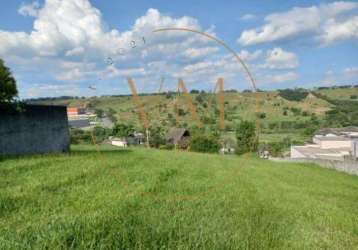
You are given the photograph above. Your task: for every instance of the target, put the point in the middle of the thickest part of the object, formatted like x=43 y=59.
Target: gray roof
x=175 y=134
x=337 y=131
x=79 y=123
x=317 y=150
x=333 y=138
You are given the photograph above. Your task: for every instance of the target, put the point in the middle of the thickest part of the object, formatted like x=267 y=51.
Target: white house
x=329 y=144
x=118 y=142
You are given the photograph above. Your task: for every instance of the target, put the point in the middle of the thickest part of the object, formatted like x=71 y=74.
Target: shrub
x=261 y=115
x=122 y=130
x=99 y=113
x=78 y=136
x=100 y=134
x=157 y=137
x=205 y=143
x=247 y=140
x=293 y=94
x=296 y=111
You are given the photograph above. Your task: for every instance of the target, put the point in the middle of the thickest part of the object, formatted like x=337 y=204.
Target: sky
x=91 y=47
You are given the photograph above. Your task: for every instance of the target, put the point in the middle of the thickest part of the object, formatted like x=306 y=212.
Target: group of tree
x=293 y=94
x=8 y=89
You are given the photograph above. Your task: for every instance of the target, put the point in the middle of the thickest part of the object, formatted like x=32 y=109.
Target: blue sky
x=61 y=47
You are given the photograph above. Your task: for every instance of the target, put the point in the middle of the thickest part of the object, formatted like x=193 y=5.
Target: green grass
x=152 y=199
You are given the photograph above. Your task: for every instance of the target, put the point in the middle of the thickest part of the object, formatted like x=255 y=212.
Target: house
x=80 y=123
x=179 y=137
x=136 y=139
x=119 y=142
x=227 y=146
x=330 y=144
x=75 y=111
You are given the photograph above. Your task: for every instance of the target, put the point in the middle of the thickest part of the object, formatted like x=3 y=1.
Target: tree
x=247 y=140
x=99 y=113
x=293 y=94
x=8 y=90
x=123 y=130
x=157 y=136
x=205 y=143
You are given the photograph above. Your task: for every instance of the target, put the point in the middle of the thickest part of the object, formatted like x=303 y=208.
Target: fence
x=347 y=166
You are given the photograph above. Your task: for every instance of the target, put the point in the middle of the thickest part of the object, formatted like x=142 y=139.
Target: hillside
x=276 y=116
x=237 y=106
x=151 y=199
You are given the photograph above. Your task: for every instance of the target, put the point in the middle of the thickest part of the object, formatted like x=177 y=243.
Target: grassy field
x=153 y=199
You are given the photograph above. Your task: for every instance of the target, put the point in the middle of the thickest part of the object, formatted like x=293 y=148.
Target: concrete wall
x=39 y=129
x=336 y=144
x=347 y=166
x=295 y=153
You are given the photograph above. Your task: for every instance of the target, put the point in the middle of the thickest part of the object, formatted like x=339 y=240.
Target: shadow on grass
x=74 y=152
x=85 y=152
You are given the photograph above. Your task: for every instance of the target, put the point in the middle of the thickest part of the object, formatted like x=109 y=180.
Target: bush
x=8 y=89
x=247 y=140
x=205 y=144
x=78 y=136
x=293 y=94
x=122 y=130
x=100 y=134
x=157 y=137
x=296 y=111
x=99 y=113
x=261 y=115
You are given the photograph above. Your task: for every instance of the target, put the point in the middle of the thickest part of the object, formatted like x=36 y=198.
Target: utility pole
x=139 y=105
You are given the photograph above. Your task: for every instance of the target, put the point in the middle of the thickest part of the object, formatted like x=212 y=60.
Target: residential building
x=179 y=137
x=330 y=144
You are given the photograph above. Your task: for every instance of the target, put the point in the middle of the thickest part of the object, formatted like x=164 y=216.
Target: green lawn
x=151 y=199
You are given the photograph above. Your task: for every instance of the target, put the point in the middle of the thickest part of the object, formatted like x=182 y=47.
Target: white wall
x=296 y=154
x=335 y=144
x=119 y=143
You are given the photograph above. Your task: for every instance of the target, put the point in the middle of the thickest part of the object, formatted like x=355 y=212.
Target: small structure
x=179 y=137
x=136 y=139
x=330 y=144
x=80 y=123
x=75 y=111
x=119 y=142
x=227 y=146
x=354 y=149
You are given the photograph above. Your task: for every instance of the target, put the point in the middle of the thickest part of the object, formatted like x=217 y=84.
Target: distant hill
x=268 y=108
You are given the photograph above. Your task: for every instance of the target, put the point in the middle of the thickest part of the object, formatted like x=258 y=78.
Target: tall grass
x=151 y=199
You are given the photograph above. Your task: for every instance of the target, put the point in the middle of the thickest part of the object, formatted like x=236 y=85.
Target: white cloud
x=70 y=42
x=330 y=78
x=51 y=89
x=72 y=27
x=247 y=17
x=29 y=9
x=200 y=52
x=351 y=72
x=326 y=23
x=279 y=78
x=277 y=58
x=247 y=56
x=335 y=31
